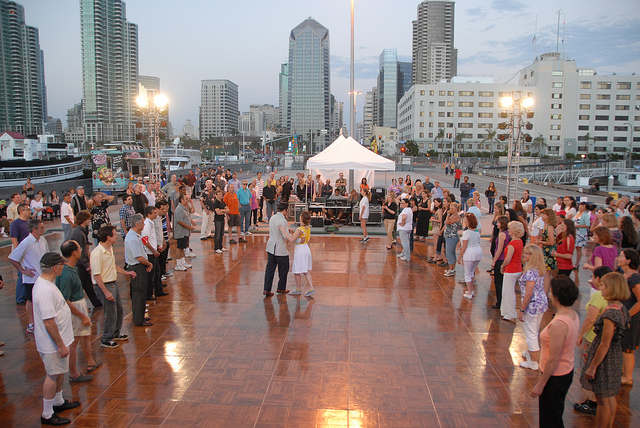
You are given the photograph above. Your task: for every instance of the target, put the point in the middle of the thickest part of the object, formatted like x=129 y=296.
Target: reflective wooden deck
x=383 y=344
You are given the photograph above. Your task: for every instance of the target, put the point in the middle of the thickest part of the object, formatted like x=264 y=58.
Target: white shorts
x=531 y=328
x=80 y=329
x=54 y=365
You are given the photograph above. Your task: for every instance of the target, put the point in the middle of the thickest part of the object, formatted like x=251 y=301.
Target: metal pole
x=352 y=95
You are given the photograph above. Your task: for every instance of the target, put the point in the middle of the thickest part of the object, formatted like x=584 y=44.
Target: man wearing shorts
x=54 y=334
x=70 y=286
x=182 y=227
x=233 y=218
x=26 y=259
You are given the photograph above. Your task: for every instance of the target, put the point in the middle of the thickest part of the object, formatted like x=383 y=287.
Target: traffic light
x=502 y=137
x=527 y=138
x=403 y=149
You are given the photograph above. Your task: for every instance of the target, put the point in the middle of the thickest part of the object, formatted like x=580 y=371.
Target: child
x=594 y=308
x=602 y=372
x=534 y=302
x=302 y=256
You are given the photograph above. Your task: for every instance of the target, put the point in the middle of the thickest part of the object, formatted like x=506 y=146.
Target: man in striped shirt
x=162 y=230
x=126 y=214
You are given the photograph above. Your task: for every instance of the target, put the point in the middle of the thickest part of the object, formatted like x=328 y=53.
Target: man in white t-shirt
x=54 y=334
x=405 y=226
x=26 y=259
x=66 y=215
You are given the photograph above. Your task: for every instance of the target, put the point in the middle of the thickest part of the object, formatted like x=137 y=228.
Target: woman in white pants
x=405 y=226
x=512 y=269
x=364 y=213
x=471 y=252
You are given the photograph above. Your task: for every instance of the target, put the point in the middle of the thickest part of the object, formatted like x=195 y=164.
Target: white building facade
x=218 y=108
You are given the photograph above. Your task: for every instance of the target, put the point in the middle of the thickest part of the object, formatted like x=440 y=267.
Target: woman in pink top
x=557 y=345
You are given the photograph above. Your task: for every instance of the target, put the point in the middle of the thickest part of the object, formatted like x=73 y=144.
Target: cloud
x=476 y=11
x=508 y=5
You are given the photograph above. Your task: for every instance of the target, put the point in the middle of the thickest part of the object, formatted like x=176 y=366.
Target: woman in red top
x=512 y=269
x=566 y=244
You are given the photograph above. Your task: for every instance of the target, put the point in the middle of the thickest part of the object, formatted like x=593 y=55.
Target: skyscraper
x=337 y=117
x=309 y=91
x=387 y=88
x=22 y=89
x=283 y=99
x=218 y=108
x=404 y=77
x=434 y=57
x=109 y=70
x=370 y=113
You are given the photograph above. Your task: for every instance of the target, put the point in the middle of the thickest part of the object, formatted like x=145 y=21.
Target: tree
x=440 y=135
x=412 y=148
x=490 y=138
x=538 y=145
x=588 y=138
x=459 y=138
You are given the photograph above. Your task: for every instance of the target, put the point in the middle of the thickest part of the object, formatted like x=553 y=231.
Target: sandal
x=93 y=367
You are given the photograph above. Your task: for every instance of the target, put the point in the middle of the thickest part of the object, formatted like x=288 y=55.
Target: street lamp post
x=352 y=104
x=630 y=151
x=153 y=108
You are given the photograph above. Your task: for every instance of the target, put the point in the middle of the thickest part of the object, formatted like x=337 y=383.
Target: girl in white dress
x=302 y=256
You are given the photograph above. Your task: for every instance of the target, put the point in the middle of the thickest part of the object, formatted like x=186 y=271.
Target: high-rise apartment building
x=259 y=119
x=22 y=88
x=283 y=95
x=388 y=88
x=434 y=56
x=218 y=108
x=74 y=132
x=337 y=118
x=309 y=91
x=370 y=113
x=109 y=70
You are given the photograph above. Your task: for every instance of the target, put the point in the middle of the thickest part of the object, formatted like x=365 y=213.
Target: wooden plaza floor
x=383 y=344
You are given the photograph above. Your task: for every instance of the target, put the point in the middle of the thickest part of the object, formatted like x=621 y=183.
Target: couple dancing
x=278 y=253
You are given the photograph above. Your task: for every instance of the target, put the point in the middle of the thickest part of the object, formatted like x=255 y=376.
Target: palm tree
x=458 y=139
x=588 y=138
x=538 y=144
x=490 y=138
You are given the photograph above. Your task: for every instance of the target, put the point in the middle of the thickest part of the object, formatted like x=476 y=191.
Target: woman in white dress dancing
x=302 y=256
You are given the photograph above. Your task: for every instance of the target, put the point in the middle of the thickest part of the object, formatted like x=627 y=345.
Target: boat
x=177 y=158
x=42 y=159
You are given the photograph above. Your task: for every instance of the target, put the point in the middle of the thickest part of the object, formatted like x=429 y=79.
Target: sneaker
x=225 y=249
x=365 y=239
x=30 y=328
x=163 y=278
x=450 y=273
x=203 y=238
x=468 y=295
x=54 y=420
x=249 y=233
x=529 y=365
x=169 y=273
x=295 y=293
x=310 y=293
x=218 y=251
x=108 y=344
x=180 y=268
x=587 y=407
x=121 y=337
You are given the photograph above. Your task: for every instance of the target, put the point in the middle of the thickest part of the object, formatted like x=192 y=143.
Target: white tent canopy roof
x=347 y=153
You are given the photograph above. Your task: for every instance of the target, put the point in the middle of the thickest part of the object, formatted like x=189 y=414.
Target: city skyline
x=499 y=46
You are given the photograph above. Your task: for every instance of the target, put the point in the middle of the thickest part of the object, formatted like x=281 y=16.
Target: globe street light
x=153 y=108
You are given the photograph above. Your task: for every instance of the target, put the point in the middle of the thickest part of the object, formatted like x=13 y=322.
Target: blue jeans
x=450 y=249
x=20 y=299
x=245 y=218
x=271 y=208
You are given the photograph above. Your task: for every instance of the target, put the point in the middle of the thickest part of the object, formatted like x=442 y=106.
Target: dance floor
x=383 y=344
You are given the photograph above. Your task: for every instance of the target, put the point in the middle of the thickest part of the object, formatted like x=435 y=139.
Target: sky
x=186 y=41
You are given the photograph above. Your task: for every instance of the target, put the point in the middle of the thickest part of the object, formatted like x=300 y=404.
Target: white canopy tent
x=346 y=154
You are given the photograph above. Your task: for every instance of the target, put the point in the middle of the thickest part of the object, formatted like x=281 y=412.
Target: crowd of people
x=535 y=250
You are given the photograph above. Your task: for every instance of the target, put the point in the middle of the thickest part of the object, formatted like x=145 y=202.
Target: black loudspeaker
x=377 y=195
x=375 y=217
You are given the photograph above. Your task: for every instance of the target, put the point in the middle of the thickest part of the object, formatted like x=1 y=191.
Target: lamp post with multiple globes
x=153 y=107
x=515 y=109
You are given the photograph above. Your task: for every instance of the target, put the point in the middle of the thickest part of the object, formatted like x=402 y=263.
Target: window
x=603 y=106
x=556 y=73
x=465 y=104
x=449 y=125
x=554 y=137
x=620 y=139
x=449 y=103
x=449 y=114
x=621 y=128
x=421 y=103
x=449 y=93
x=421 y=114
x=441 y=103
x=485 y=104
x=465 y=114
x=585 y=85
x=555 y=127
x=582 y=106
x=422 y=92
x=558 y=106
x=485 y=125
x=430 y=114
x=602 y=117
x=442 y=93
x=504 y=94
x=440 y=124
x=604 y=85
x=583 y=127
x=422 y=135
x=623 y=85
x=465 y=93
x=585 y=96
x=583 y=117
x=601 y=128
x=623 y=97
x=556 y=96
x=465 y=125
x=556 y=84
x=603 y=97
x=430 y=124
x=431 y=92
x=421 y=124
x=485 y=115
x=622 y=107
x=485 y=93
x=441 y=114
x=622 y=118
